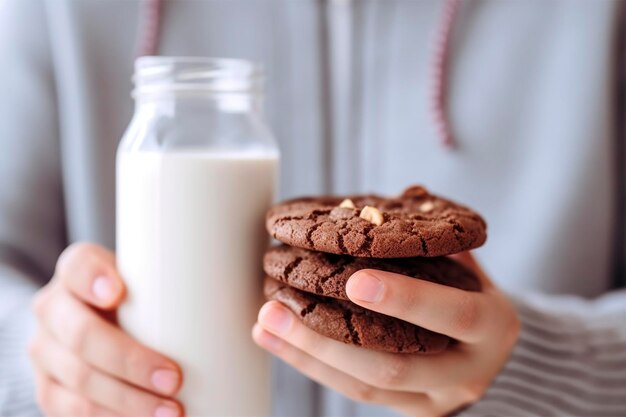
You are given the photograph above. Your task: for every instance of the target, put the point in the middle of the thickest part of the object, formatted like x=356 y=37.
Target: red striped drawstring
x=150 y=27
x=439 y=74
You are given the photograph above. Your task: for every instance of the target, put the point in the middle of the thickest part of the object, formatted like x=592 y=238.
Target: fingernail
x=365 y=287
x=103 y=288
x=165 y=380
x=166 y=410
x=276 y=319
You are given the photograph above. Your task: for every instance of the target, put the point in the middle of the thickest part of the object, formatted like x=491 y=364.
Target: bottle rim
x=159 y=74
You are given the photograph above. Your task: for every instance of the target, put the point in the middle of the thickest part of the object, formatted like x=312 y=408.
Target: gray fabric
x=348 y=100
x=569 y=360
x=31 y=209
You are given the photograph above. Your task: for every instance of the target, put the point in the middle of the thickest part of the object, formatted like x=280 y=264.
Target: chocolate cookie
x=352 y=324
x=416 y=223
x=326 y=274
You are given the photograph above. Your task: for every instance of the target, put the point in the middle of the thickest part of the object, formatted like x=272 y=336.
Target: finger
x=467 y=259
x=105 y=346
x=398 y=372
x=460 y=314
x=89 y=272
x=81 y=378
x=341 y=382
x=57 y=401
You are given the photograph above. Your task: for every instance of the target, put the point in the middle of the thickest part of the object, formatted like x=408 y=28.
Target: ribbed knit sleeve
x=570 y=360
x=16 y=329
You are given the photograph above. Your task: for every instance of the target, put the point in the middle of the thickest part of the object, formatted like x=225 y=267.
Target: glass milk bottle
x=196 y=171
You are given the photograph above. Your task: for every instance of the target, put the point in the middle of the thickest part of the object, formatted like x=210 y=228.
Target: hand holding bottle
x=85 y=365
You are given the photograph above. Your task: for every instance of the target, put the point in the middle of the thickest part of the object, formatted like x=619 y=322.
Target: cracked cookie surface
x=415 y=223
x=326 y=274
x=349 y=323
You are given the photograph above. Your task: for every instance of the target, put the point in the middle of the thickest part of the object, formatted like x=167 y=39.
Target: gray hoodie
x=532 y=103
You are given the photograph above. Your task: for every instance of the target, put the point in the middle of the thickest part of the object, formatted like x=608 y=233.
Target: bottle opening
x=157 y=74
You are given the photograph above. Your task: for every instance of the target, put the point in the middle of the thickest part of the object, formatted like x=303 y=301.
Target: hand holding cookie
x=367 y=327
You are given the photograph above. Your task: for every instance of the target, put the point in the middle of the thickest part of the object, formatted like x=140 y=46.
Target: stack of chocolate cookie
x=327 y=239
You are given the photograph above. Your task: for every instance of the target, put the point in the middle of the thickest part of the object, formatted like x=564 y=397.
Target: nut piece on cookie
x=415 y=191
x=342 y=213
x=372 y=215
x=347 y=203
x=427 y=206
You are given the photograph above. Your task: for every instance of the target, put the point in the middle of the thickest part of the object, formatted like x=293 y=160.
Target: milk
x=190 y=238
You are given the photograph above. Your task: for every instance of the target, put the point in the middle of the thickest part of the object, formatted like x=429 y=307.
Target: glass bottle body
x=196 y=171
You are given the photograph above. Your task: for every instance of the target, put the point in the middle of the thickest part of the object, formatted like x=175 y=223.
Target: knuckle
x=78 y=376
x=74 y=251
x=510 y=332
x=298 y=360
x=41 y=301
x=512 y=327
x=419 y=410
x=467 y=315
x=33 y=349
x=81 y=255
x=81 y=407
x=78 y=331
x=470 y=393
x=362 y=392
x=391 y=373
x=134 y=361
x=42 y=395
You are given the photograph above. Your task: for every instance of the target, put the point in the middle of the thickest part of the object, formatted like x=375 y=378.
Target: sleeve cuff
x=566 y=364
x=17 y=396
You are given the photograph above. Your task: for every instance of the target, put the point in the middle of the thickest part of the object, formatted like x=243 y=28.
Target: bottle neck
x=199 y=102
x=226 y=85
x=199 y=121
